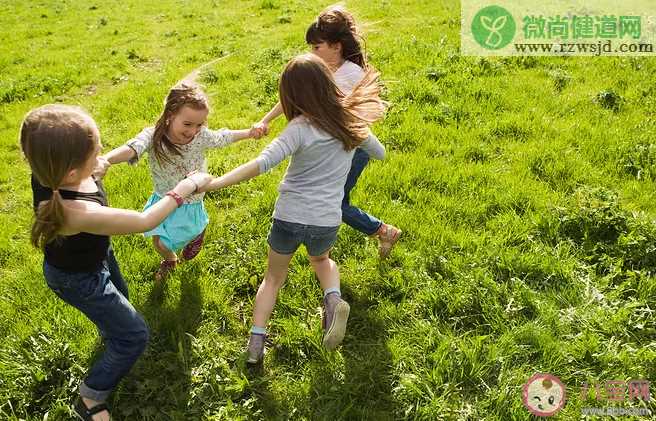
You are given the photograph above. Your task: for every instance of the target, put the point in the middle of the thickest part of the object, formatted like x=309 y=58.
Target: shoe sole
x=385 y=251
x=80 y=417
x=255 y=361
x=335 y=334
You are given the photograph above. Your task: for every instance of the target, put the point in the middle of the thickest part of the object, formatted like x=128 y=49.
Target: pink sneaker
x=192 y=249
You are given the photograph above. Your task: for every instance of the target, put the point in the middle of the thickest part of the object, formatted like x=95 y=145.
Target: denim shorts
x=285 y=237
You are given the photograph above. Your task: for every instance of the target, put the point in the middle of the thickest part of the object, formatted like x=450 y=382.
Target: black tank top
x=82 y=252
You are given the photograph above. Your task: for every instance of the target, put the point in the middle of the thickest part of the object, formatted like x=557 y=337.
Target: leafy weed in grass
x=639 y=160
x=609 y=100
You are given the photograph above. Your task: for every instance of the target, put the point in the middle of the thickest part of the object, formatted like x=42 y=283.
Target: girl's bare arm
x=244 y=172
x=115 y=156
x=103 y=220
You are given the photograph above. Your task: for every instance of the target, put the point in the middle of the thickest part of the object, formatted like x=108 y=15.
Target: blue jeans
x=352 y=215
x=103 y=297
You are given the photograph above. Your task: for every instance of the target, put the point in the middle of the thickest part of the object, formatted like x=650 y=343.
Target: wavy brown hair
x=55 y=139
x=184 y=94
x=307 y=88
x=336 y=24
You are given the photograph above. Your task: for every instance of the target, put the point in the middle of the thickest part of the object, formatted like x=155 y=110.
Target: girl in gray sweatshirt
x=325 y=127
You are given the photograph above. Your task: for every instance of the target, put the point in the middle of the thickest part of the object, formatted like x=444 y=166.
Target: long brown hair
x=335 y=24
x=181 y=95
x=55 y=139
x=307 y=88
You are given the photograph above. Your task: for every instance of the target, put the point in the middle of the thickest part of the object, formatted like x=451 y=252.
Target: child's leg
x=115 y=274
x=326 y=270
x=169 y=262
x=277 y=267
x=360 y=220
x=123 y=329
x=162 y=250
x=352 y=215
x=336 y=310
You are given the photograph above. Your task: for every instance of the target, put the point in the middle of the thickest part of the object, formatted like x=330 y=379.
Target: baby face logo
x=493 y=27
x=544 y=395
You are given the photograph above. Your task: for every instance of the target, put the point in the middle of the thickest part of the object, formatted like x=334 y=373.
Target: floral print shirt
x=166 y=175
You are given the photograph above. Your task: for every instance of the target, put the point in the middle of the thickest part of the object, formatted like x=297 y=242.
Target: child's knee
x=141 y=338
x=275 y=281
x=318 y=261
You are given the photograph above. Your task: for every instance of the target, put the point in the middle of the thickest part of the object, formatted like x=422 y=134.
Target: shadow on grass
x=159 y=385
x=266 y=401
x=365 y=389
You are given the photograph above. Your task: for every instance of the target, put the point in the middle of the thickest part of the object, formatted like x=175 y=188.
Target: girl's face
x=330 y=53
x=86 y=170
x=186 y=124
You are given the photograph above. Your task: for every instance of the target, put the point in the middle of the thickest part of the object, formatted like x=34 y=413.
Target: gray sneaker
x=335 y=316
x=256 y=348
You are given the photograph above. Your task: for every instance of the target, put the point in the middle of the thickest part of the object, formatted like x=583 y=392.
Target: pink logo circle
x=544 y=395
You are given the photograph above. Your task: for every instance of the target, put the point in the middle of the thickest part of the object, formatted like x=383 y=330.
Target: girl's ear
x=70 y=177
x=337 y=47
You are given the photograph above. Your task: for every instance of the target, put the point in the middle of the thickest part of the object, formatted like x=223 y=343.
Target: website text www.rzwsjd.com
x=617 y=411
x=599 y=48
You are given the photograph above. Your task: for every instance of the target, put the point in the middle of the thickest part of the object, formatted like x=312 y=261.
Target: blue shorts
x=285 y=237
x=181 y=226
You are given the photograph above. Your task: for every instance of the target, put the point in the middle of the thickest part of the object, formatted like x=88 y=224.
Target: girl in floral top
x=177 y=146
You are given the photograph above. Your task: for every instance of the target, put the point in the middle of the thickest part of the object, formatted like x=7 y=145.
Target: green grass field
x=524 y=186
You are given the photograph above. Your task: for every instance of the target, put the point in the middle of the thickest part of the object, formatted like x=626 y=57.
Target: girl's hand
x=262 y=127
x=200 y=179
x=194 y=182
x=207 y=187
x=255 y=133
x=102 y=165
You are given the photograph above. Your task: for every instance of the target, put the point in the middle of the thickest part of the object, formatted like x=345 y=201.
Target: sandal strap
x=168 y=263
x=98 y=408
x=87 y=413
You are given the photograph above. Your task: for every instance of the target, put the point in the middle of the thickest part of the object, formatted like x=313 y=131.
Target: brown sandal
x=388 y=235
x=85 y=413
x=165 y=267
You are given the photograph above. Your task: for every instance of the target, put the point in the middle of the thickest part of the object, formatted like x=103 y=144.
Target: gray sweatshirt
x=312 y=189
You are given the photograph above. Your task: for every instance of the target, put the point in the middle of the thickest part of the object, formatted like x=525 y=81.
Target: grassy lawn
x=524 y=187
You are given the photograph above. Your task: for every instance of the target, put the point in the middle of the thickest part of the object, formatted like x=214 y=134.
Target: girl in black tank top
x=82 y=252
x=72 y=226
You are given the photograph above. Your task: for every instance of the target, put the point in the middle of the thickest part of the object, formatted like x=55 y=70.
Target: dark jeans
x=103 y=297
x=352 y=215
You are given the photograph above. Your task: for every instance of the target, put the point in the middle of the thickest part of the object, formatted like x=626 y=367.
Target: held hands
x=193 y=183
x=102 y=165
x=260 y=129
